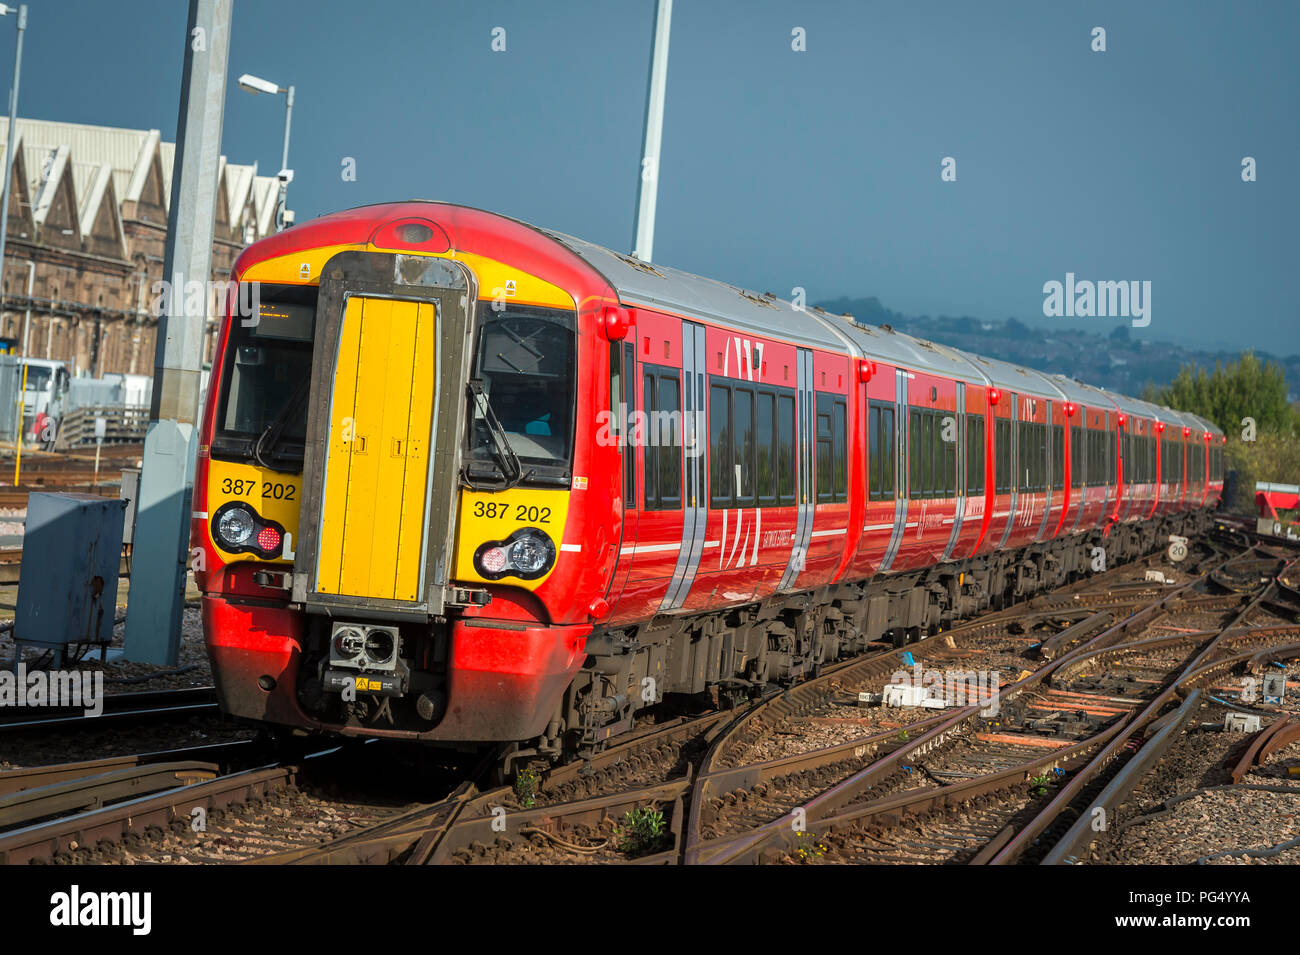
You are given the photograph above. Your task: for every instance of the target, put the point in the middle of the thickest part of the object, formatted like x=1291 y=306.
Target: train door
x=632 y=442
x=900 y=469
x=961 y=450
x=1051 y=473
x=1013 y=449
x=805 y=491
x=384 y=433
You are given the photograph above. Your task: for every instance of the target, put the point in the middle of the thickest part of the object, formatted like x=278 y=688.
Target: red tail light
x=268 y=538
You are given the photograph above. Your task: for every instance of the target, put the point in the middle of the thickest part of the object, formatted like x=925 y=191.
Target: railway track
x=118 y=709
x=494 y=827
x=721 y=787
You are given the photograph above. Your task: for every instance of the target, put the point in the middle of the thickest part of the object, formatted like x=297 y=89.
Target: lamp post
x=255 y=84
x=5 y=10
x=647 y=188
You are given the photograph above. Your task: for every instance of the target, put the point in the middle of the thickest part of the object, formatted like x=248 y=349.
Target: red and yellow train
x=462 y=479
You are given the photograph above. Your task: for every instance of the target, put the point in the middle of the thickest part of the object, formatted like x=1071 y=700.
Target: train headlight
x=235 y=527
x=238 y=528
x=528 y=553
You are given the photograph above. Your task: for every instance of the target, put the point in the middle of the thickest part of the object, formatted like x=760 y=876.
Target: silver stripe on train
x=696 y=513
x=805 y=433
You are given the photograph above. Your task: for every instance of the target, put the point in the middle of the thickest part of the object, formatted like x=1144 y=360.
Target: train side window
x=948 y=424
x=832 y=424
x=825 y=450
x=1024 y=465
x=1077 y=464
x=928 y=469
x=662 y=440
x=785 y=448
x=1001 y=456
x=650 y=451
x=974 y=455
x=765 y=424
x=1058 y=457
x=742 y=410
x=914 y=453
x=873 y=454
x=720 y=474
x=1040 y=437
x=670 y=443
x=839 y=435
x=1041 y=478
x=881 y=451
x=619 y=413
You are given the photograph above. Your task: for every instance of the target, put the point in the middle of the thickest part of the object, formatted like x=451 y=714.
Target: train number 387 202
x=245 y=488
x=522 y=512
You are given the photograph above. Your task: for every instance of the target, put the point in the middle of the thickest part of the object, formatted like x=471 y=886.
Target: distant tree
x=1017 y=330
x=1120 y=334
x=1240 y=389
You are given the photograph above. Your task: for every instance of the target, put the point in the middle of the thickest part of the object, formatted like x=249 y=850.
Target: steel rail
x=825 y=805
x=1080 y=835
x=43 y=841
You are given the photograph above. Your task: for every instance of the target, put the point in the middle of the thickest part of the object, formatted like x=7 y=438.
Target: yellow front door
x=377 y=461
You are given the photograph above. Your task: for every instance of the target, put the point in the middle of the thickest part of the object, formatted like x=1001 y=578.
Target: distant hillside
x=1115 y=361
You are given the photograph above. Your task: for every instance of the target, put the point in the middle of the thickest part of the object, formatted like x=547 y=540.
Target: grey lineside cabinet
x=67 y=589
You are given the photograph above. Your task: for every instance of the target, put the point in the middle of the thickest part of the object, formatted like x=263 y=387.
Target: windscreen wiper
x=507 y=460
x=271 y=435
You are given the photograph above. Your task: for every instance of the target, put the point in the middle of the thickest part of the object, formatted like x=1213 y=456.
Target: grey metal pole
x=647 y=189
x=160 y=560
x=9 y=147
x=284 y=163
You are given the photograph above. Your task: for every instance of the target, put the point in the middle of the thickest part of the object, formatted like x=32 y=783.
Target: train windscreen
x=265 y=378
x=525 y=362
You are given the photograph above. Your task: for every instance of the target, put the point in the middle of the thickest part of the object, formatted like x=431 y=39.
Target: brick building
x=87 y=226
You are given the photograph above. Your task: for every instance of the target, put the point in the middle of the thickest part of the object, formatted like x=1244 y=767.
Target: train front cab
x=381 y=562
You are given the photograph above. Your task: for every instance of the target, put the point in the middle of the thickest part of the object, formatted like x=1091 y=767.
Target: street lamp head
x=255 y=84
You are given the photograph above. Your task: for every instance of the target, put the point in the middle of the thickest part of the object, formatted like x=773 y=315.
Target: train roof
x=1081 y=393
x=693 y=296
x=900 y=349
x=1011 y=377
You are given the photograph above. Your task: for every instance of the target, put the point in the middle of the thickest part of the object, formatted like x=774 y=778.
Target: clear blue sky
x=818 y=169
